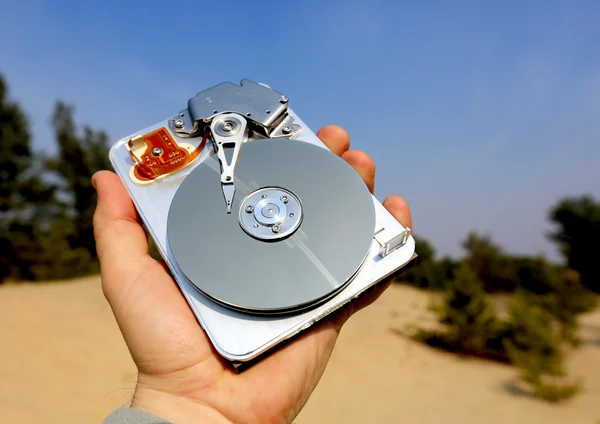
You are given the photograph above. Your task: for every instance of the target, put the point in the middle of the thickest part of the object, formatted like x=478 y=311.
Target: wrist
x=175 y=409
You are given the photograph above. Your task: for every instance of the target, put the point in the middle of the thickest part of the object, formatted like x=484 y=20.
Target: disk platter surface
x=301 y=226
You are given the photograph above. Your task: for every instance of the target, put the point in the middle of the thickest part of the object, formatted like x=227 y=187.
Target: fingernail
x=94 y=182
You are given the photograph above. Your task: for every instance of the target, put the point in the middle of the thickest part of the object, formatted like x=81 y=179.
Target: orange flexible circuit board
x=157 y=154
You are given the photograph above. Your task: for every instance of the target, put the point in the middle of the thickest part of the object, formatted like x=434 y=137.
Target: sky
x=481 y=116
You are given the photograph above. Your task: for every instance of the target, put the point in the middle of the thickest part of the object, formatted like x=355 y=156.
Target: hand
x=181 y=378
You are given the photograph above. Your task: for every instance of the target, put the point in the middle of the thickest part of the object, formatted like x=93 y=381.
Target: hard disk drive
x=263 y=228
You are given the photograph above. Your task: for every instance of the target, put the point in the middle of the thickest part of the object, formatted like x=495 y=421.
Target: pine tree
x=80 y=156
x=28 y=203
x=15 y=152
x=21 y=189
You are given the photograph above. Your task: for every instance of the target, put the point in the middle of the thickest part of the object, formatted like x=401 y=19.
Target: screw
x=276 y=229
x=287 y=129
x=179 y=123
x=249 y=208
x=227 y=127
x=157 y=151
x=284 y=199
x=264 y=196
x=291 y=214
x=284 y=99
x=255 y=225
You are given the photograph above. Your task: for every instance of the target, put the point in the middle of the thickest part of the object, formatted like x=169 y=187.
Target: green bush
x=427 y=272
x=554 y=390
x=471 y=326
x=532 y=338
x=467 y=313
x=558 y=291
x=535 y=347
x=491 y=265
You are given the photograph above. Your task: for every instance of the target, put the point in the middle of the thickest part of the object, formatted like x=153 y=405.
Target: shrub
x=445 y=271
x=535 y=348
x=467 y=313
x=536 y=275
x=554 y=390
x=559 y=292
x=471 y=326
x=491 y=265
x=532 y=338
x=427 y=273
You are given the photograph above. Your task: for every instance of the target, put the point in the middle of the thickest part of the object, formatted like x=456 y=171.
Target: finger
x=121 y=241
x=364 y=165
x=335 y=138
x=400 y=210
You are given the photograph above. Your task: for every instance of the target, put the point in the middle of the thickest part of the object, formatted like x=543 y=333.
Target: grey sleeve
x=133 y=416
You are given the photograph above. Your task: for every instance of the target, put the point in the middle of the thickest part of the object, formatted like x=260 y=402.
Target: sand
x=62 y=360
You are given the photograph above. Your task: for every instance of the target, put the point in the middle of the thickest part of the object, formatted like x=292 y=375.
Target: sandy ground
x=62 y=360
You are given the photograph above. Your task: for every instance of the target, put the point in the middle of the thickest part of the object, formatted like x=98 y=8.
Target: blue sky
x=481 y=116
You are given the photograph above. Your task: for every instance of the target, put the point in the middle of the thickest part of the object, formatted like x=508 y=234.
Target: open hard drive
x=263 y=228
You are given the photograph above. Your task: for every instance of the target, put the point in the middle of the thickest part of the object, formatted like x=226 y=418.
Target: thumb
x=121 y=241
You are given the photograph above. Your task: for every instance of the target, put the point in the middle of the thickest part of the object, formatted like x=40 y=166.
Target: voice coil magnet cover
x=301 y=226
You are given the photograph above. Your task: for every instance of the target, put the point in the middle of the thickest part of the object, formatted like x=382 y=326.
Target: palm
x=171 y=351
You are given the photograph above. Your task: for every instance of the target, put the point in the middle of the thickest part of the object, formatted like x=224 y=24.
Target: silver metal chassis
x=238 y=337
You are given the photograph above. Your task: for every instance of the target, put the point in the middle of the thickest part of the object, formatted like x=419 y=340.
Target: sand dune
x=62 y=360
